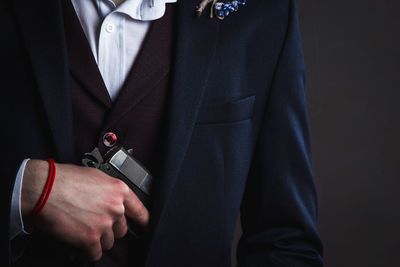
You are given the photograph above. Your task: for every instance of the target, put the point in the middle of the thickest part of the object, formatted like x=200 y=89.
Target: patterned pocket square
x=220 y=8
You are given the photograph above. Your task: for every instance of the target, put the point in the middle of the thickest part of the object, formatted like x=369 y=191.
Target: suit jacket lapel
x=43 y=32
x=194 y=53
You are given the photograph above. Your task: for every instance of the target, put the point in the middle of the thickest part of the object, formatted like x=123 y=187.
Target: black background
x=352 y=53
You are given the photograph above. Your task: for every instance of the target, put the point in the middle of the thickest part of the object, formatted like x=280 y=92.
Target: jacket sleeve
x=279 y=208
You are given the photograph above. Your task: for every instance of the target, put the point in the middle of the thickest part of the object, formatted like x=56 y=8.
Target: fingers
x=120 y=227
x=94 y=251
x=135 y=209
x=107 y=240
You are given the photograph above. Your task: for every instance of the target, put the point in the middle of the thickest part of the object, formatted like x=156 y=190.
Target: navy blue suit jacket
x=238 y=135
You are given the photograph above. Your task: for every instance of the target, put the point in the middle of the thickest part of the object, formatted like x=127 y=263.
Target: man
x=214 y=108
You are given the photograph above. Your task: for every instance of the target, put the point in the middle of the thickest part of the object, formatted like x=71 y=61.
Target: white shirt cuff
x=16 y=222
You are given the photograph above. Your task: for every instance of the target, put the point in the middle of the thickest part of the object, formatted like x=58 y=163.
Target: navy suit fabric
x=237 y=140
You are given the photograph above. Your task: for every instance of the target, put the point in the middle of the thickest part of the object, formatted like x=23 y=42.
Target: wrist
x=34 y=180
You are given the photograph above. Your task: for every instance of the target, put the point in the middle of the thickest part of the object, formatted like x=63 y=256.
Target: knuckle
x=122 y=187
x=92 y=239
x=107 y=223
x=115 y=207
x=118 y=210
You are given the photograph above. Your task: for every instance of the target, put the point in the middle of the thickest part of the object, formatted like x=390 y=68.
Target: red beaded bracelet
x=46 y=191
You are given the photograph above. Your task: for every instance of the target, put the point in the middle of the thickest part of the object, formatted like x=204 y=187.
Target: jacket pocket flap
x=227 y=112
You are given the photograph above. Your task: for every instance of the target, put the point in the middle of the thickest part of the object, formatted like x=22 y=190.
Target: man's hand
x=86 y=207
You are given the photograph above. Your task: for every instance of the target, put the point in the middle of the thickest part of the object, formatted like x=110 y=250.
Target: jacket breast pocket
x=227 y=112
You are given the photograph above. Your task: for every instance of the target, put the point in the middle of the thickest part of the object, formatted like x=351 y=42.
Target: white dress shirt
x=115 y=35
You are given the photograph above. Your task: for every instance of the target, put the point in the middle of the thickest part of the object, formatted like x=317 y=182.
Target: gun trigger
x=90 y=163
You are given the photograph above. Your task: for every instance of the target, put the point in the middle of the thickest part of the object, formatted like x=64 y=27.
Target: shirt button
x=109 y=139
x=110 y=27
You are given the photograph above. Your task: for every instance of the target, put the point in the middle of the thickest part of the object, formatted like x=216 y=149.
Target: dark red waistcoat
x=136 y=116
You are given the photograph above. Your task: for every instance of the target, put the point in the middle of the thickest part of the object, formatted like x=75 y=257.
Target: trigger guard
x=90 y=163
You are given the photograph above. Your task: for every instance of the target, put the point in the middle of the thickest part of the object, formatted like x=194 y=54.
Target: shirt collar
x=145 y=10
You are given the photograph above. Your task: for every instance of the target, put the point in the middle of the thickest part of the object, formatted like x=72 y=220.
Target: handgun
x=120 y=163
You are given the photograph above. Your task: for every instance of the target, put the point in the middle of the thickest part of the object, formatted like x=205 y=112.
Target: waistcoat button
x=110 y=139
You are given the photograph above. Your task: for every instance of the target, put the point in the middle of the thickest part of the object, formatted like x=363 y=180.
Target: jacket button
x=109 y=139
